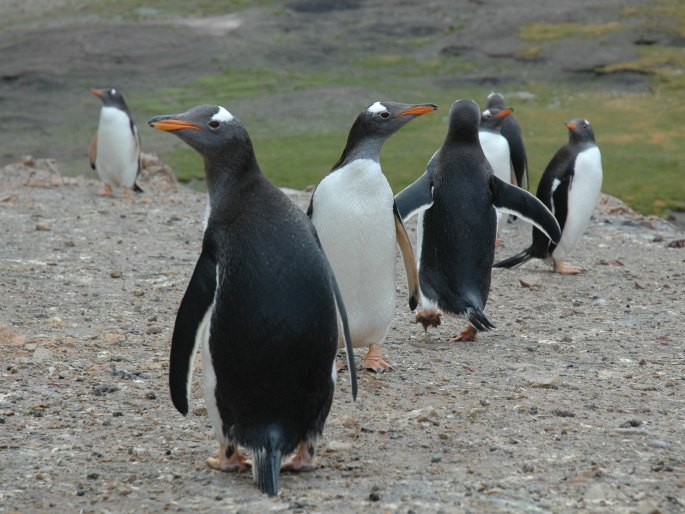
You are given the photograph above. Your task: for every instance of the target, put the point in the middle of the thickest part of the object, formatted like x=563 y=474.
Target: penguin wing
x=138 y=151
x=408 y=258
x=415 y=197
x=512 y=132
x=310 y=208
x=93 y=150
x=349 y=351
x=194 y=312
x=517 y=201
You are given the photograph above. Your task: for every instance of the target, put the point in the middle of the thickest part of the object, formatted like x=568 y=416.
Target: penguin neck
x=227 y=176
x=367 y=148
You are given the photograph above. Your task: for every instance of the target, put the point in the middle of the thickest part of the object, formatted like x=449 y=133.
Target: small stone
x=200 y=411
x=375 y=495
x=590 y=404
x=528 y=468
x=436 y=458
x=41 y=355
x=631 y=423
x=658 y=443
x=115 y=274
x=138 y=292
x=150 y=395
x=338 y=446
x=93 y=476
x=43 y=227
x=563 y=413
x=153 y=330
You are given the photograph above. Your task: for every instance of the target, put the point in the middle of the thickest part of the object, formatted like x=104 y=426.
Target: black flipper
x=196 y=302
x=515 y=260
x=137 y=188
x=415 y=197
x=521 y=203
x=408 y=259
x=477 y=318
x=343 y=317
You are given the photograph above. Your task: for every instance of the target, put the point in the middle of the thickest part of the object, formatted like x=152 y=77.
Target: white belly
x=353 y=216
x=496 y=150
x=582 y=197
x=117 y=153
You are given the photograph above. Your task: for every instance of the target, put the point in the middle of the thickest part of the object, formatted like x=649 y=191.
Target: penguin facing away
x=355 y=216
x=115 y=148
x=511 y=130
x=569 y=187
x=496 y=149
x=262 y=303
x=455 y=200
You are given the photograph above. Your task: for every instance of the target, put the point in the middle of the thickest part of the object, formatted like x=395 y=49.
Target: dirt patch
x=574 y=403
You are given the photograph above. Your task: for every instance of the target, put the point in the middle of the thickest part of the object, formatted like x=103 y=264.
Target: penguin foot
x=340 y=364
x=470 y=334
x=301 y=460
x=126 y=193
x=374 y=360
x=566 y=269
x=428 y=317
x=106 y=190
x=229 y=459
x=499 y=242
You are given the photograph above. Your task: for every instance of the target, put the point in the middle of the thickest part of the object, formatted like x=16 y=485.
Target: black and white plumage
x=511 y=130
x=569 y=187
x=115 y=148
x=262 y=303
x=456 y=199
x=354 y=214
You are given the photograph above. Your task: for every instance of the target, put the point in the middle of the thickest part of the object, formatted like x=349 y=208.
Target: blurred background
x=297 y=73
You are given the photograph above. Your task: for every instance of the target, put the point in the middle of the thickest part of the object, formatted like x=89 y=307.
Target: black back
x=459 y=229
x=511 y=130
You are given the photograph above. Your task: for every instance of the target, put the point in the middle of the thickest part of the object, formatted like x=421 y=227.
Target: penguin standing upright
x=354 y=214
x=115 y=148
x=456 y=199
x=569 y=187
x=511 y=130
x=496 y=149
x=262 y=303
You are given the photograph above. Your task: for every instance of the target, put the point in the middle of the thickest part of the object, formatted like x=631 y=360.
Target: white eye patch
x=222 y=115
x=377 y=107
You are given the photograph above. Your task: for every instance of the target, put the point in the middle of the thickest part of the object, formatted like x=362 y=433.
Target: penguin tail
x=137 y=188
x=477 y=318
x=266 y=465
x=515 y=260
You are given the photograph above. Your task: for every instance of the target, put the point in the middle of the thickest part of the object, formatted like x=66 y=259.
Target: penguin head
x=111 y=97
x=209 y=129
x=383 y=119
x=495 y=100
x=463 y=121
x=493 y=117
x=375 y=125
x=580 y=130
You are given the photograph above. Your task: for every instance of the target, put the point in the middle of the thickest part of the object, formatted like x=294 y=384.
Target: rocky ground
x=574 y=403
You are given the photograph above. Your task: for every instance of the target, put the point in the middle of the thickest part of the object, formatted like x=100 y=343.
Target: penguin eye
x=214 y=124
x=385 y=115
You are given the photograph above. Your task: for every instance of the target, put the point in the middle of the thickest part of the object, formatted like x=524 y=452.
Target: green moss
x=543 y=31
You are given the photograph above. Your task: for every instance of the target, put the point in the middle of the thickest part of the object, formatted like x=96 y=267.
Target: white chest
x=117 y=148
x=496 y=150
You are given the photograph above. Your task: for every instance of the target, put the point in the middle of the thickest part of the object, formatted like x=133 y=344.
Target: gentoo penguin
x=570 y=187
x=115 y=148
x=262 y=303
x=511 y=130
x=456 y=199
x=354 y=214
x=496 y=149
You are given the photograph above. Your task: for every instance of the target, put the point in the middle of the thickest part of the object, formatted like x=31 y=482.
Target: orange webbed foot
x=229 y=459
x=470 y=334
x=566 y=269
x=374 y=360
x=301 y=460
x=428 y=318
x=106 y=190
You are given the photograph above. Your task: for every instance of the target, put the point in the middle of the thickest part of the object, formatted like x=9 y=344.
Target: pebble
x=115 y=274
x=338 y=446
x=528 y=468
x=658 y=443
x=41 y=355
x=436 y=458
x=563 y=413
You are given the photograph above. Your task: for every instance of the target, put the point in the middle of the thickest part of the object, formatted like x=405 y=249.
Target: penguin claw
x=229 y=459
x=470 y=334
x=301 y=460
x=428 y=317
x=374 y=360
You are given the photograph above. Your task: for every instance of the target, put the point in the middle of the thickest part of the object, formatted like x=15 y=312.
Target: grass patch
x=543 y=31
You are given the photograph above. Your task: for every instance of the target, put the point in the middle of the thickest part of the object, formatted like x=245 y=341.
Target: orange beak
x=97 y=92
x=570 y=125
x=418 y=110
x=504 y=112
x=171 y=124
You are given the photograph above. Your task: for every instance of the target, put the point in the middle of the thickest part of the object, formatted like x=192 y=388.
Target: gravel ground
x=573 y=403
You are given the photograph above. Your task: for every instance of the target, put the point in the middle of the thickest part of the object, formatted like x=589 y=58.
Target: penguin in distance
x=496 y=149
x=455 y=200
x=115 y=149
x=511 y=130
x=264 y=306
x=355 y=216
x=569 y=187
